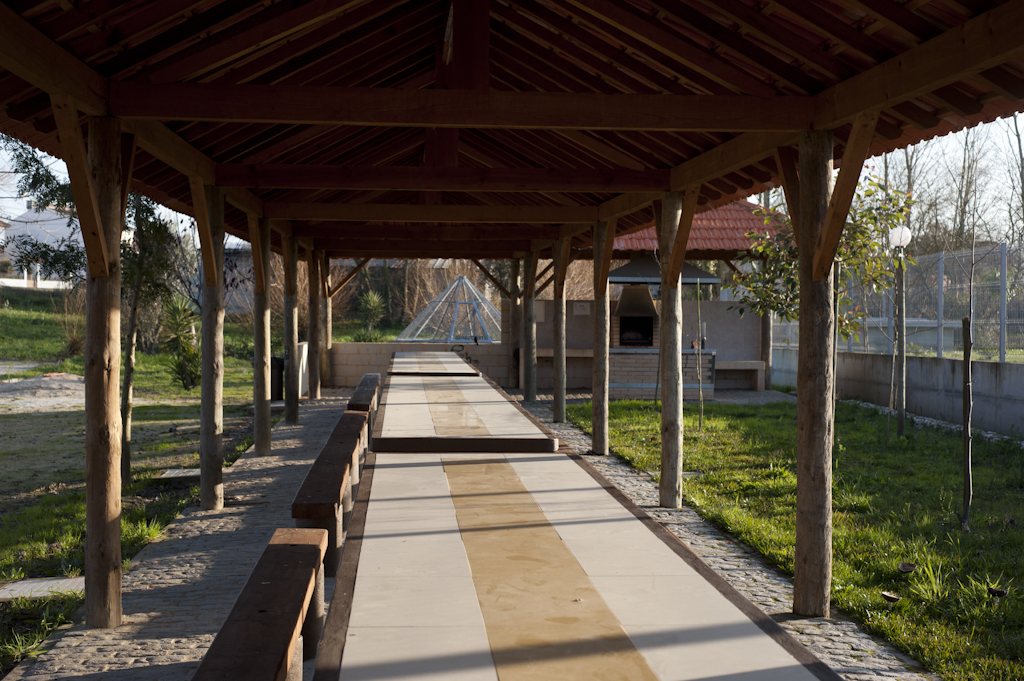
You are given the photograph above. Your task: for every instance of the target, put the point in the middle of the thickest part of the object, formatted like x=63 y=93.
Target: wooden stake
x=529 y=354
x=211 y=417
x=968 y=407
x=259 y=237
x=815 y=376
x=670 y=486
x=313 y=325
x=102 y=370
x=290 y=248
x=604 y=236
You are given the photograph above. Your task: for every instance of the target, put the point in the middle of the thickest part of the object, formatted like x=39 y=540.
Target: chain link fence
x=939 y=296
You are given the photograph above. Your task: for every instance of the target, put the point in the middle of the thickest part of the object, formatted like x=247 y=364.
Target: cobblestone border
x=838 y=641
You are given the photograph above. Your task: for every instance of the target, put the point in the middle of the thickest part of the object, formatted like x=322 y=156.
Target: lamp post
x=899 y=237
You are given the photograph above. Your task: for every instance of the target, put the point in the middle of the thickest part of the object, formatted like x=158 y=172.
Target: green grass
x=25 y=623
x=891 y=505
x=30 y=335
x=344 y=331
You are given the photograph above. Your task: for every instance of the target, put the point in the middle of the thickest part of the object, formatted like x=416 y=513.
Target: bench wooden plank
x=322 y=492
x=367 y=394
x=259 y=637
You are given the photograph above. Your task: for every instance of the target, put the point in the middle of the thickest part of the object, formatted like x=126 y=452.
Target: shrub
x=180 y=340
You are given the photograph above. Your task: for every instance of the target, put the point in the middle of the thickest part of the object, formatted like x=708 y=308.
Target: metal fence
x=938 y=298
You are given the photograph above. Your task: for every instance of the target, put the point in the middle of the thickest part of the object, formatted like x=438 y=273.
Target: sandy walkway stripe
x=452 y=413
x=544 y=617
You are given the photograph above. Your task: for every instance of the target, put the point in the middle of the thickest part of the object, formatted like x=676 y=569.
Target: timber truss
x=463 y=128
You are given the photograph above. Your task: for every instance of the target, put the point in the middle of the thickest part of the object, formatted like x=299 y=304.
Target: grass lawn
x=25 y=623
x=891 y=505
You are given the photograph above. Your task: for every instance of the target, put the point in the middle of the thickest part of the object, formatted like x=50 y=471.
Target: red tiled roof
x=719 y=229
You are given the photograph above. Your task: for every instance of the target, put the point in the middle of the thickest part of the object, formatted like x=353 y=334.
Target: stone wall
x=633 y=374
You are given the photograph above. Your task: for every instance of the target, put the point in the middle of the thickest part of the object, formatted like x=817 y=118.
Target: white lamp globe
x=899 y=237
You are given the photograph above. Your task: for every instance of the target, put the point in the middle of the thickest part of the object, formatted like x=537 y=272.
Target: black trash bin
x=276 y=379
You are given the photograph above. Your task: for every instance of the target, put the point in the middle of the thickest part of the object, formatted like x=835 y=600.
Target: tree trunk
x=129 y=374
x=211 y=417
x=325 y=324
x=102 y=370
x=815 y=415
x=968 y=408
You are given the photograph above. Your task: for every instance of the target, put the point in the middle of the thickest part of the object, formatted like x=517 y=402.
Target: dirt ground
x=42 y=436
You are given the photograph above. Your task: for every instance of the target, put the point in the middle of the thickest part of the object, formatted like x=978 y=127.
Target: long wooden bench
x=325 y=498
x=366 y=398
x=281 y=604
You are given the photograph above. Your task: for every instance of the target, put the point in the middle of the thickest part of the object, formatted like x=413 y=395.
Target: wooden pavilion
x=511 y=129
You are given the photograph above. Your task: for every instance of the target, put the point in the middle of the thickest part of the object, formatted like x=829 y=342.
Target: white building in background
x=46 y=226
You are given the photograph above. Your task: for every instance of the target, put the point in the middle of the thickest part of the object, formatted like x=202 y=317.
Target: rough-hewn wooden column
x=102 y=370
x=259 y=237
x=670 y=491
x=290 y=250
x=515 y=322
x=815 y=418
x=604 y=238
x=211 y=416
x=561 y=257
x=325 y=321
x=529 y=353
x=314 y=330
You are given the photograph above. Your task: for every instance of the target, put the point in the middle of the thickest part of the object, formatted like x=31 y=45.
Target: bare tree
x=1014 y=129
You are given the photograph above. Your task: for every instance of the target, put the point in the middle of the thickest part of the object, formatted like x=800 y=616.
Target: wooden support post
x=667 y=215
x=211 y=416
x=676 y=217
x=290 y=249
x=313 y=325
x=529 y=355
x=325 y=320
x=102 y=370
x=815 y=420
x=259 y=237
x=766 y=348
x=562 y=253
x=515 y=322
x=604 y=238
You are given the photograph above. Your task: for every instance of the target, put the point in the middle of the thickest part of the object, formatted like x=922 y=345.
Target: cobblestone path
x=838 y=641
x=183 y=586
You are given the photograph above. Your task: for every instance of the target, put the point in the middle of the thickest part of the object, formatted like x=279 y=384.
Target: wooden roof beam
x=411 y=178
x=455 y=108
x=367 y=212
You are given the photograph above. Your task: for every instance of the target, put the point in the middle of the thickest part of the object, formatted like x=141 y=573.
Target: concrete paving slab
x=37 y=588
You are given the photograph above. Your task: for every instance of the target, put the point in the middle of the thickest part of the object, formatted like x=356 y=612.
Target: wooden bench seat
x=277 y=607
x=366 y=398
x=324 y=499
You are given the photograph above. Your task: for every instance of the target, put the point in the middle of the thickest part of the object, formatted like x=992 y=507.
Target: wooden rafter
x=547 y=282
x=842 y=194
x=75 y=156
x=490 y=276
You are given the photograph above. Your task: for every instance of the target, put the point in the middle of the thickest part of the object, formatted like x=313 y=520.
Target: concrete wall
x=349 y=361
x=934 y=386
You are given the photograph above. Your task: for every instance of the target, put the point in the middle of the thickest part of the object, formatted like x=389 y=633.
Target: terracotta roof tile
x=719 y=229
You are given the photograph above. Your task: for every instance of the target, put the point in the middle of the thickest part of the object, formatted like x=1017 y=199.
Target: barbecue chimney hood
x=636 y=301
